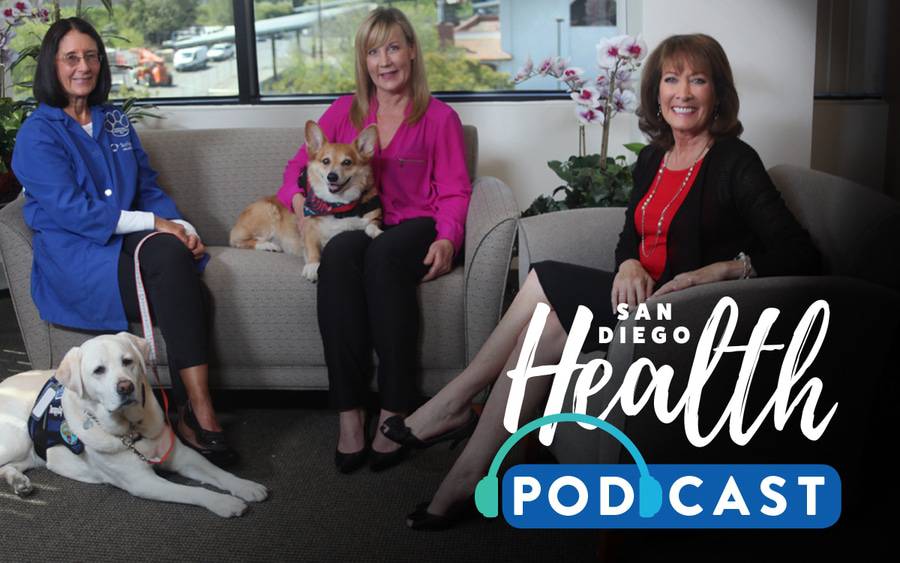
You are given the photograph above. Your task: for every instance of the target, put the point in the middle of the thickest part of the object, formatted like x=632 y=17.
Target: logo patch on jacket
x=47 y=424
x=116 y=123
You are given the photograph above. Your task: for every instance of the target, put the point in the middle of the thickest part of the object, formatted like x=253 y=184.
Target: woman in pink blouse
x=367 y=287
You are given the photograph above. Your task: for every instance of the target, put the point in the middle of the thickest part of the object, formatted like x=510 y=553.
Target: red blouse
x=665 y=196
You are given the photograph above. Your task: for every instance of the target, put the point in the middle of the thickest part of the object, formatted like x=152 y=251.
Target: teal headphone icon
x=488 y=489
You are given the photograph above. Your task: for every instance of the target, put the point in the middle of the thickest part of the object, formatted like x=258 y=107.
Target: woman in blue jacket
x=90 y=197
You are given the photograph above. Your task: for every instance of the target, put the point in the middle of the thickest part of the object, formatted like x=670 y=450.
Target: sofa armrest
x=490 y=228
x=17 y=254
x=579 y=236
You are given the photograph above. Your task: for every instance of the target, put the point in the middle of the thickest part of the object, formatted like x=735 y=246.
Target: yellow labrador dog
x=113 y=419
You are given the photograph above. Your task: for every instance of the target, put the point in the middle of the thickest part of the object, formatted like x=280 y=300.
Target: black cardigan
x=732 y=207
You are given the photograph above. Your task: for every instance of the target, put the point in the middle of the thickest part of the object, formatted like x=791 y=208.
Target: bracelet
x=748 y=267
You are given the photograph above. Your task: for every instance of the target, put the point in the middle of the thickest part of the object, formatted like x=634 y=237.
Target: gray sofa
x=264 y=330
x=857 y=232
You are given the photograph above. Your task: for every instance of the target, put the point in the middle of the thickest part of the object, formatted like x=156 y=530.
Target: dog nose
x=124 y=387
x=333 y=177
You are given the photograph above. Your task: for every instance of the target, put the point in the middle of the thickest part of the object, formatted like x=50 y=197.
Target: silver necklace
x=662 y=215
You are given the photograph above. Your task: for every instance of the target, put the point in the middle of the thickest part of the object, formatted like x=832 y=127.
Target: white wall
x=771 y=45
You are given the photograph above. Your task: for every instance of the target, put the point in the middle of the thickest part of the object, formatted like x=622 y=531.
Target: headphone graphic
x=488 y=489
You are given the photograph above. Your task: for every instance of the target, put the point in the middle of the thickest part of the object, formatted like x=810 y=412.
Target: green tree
x=451 y=70
x=448 y=69
x=216 y=12
x=158 y=19
x=263 y=10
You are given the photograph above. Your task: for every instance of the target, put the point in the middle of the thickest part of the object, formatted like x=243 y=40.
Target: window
x=181 y=49
x=469 y=45
x=310 y=51
x=593 y=13
x=157 y=48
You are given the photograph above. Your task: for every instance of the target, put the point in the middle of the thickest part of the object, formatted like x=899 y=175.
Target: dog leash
x=147 y=326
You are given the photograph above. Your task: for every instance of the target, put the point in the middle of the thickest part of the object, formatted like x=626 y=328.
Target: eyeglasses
x=72 y=60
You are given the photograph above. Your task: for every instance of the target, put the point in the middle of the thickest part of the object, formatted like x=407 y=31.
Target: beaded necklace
x=662 y=216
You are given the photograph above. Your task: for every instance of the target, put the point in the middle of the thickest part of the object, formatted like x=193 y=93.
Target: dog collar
x=314 y=206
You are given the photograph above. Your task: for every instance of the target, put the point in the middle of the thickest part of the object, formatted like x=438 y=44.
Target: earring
x=658 y=110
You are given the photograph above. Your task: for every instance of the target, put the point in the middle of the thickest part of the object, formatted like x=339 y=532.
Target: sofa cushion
x=265 y=312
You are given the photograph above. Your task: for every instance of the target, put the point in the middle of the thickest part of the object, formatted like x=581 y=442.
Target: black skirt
x=568 y=285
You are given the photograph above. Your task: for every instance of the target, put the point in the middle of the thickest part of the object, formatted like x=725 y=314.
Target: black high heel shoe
x=421 y=519
x=386 y=460
x=350 y=462
x=394 y=429
x=211 y=445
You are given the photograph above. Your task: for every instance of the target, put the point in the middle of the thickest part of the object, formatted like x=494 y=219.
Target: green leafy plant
x=11 y=115
x=587 y=184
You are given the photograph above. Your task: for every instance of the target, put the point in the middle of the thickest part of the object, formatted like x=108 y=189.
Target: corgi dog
x=340 y=195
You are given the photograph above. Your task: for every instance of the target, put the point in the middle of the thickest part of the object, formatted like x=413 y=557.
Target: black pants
x=366 y=297
x=178 y=299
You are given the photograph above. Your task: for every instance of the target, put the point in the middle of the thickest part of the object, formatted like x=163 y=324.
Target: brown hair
x=374 y=31
x=700 y=51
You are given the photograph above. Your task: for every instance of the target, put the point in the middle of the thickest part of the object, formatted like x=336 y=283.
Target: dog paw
x=373 y=230
x=227 y=506
x=268 y=246
x=249 y=491
x=311 y=271
x=22 y=486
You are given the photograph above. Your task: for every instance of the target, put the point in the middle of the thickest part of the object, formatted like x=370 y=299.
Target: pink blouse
x=421 y=173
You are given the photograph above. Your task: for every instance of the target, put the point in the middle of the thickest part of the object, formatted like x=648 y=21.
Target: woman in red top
x=702 y=210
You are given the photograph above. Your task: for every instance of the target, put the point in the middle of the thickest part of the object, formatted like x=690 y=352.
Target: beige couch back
x=214 y=174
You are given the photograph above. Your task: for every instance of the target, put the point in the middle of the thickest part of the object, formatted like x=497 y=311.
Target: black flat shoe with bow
x=421 y=519
x=211 y=445
x=394 y=429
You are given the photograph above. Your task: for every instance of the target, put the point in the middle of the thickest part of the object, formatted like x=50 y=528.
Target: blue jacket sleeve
x=44 y=168
x=150 y=196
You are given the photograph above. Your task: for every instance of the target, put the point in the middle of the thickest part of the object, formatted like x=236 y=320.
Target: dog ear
x=69 y=372
x=366 y=141
x=141 y=345
x=315 y=138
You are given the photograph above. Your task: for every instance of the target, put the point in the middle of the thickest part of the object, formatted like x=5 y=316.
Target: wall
x=771 y=45
x=850 y=138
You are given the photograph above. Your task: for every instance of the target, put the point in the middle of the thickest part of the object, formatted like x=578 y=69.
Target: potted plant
x=12 y=112
x=593 y=180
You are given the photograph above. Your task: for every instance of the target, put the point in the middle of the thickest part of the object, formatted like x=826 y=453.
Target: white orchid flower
x=609 y=51
x=624 y=78
x=525 y=72
x=559 y=67
x=588 y=115
x=586 y=96
x=634 y=47
x=624 y=100
x=546 y=66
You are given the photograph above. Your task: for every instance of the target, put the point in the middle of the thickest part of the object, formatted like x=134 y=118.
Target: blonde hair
x=374 y=31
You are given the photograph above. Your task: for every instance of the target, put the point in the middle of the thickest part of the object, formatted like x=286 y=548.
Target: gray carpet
x=313 y=513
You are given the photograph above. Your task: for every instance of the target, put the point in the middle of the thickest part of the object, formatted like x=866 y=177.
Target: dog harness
x=314 y=206
x=47 y=425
